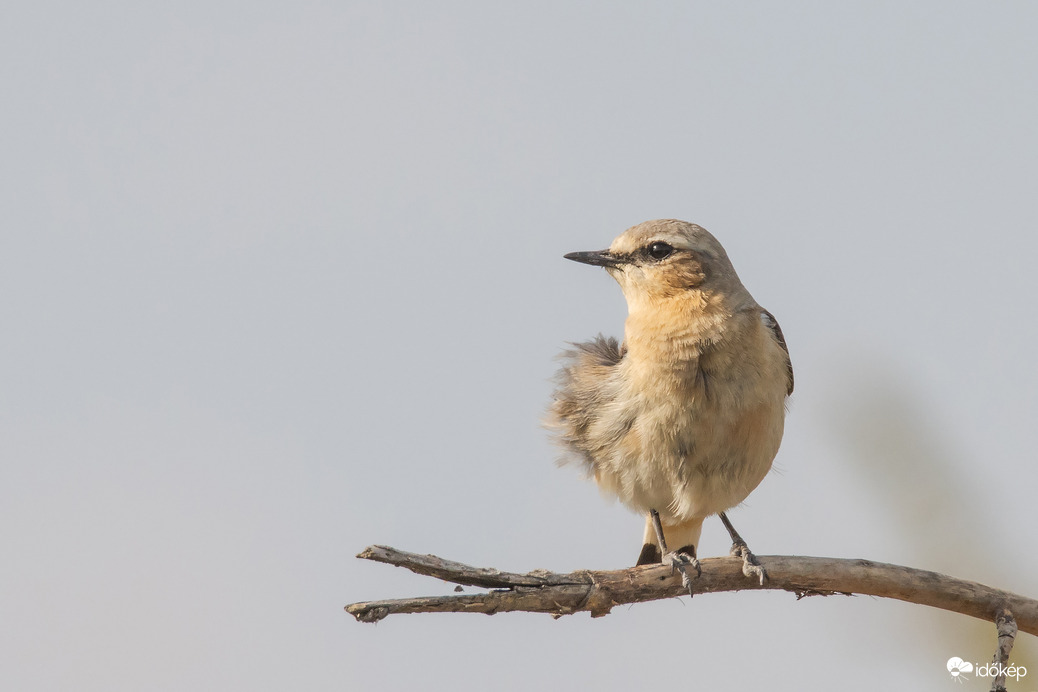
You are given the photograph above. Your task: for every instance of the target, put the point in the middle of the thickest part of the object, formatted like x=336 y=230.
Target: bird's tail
x=680 y=537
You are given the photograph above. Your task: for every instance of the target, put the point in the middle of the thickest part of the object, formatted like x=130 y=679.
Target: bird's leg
x=680 y=560
x=751 y=567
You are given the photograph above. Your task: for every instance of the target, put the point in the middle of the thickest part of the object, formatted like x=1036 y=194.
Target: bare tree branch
x=597 y=592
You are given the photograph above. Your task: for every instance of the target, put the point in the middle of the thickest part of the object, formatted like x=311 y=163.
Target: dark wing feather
x=771 y=323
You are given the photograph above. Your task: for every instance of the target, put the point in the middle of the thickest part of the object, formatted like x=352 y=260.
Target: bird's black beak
x=599 y=258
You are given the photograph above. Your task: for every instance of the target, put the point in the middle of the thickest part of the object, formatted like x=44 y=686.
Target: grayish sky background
x=281 y=281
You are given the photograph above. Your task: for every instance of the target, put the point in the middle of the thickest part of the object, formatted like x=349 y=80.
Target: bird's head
x=657 y=262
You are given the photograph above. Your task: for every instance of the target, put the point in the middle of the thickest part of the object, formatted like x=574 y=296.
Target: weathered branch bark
x=598 y=591
x=1006 y=626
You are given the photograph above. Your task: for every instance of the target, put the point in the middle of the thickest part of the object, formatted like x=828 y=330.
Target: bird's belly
x=694 y=461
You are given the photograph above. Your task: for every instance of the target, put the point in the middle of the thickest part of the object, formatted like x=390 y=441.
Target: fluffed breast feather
x=582 y=392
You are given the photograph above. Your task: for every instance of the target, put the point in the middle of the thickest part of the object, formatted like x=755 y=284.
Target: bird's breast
x=700 y=431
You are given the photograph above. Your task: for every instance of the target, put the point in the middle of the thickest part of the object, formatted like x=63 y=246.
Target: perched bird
x=684 y=418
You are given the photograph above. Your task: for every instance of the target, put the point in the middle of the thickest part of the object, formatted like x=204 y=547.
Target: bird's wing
x=583 y=390
x=602 y=350
x=771 y=323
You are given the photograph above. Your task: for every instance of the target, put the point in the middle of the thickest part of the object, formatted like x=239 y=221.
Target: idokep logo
x=959 y=669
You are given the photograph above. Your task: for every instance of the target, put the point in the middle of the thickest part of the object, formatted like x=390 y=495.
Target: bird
x=682 y=419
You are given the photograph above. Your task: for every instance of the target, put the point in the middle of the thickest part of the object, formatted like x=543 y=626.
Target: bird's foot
x=751 y=566
x=682 y=560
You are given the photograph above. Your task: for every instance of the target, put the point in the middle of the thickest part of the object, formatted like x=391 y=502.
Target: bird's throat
x=675 y=329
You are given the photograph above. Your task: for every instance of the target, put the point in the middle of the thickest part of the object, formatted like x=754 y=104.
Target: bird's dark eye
x=659 y=251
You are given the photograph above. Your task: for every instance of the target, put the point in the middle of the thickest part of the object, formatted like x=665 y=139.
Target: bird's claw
x=751 y=566
x=681 y=561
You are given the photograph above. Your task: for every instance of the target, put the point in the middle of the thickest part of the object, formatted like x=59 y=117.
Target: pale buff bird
x=682 y=420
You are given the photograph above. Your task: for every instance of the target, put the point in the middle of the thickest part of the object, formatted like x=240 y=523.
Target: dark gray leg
x=751 y=567
x=680 y=560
